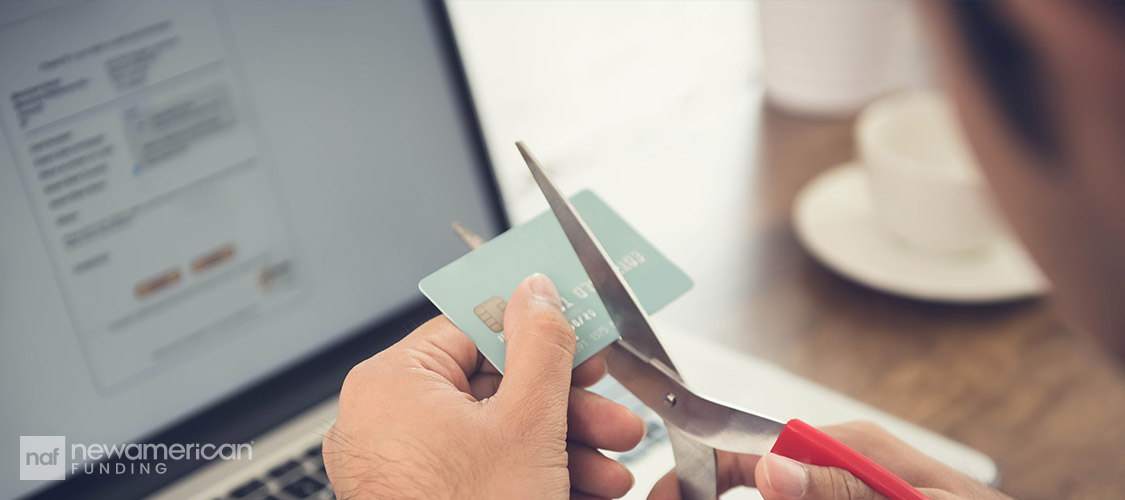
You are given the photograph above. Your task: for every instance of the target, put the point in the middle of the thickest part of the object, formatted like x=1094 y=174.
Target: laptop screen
x=194 y=196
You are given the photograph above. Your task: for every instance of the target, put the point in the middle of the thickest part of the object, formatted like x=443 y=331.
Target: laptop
x=210 y=211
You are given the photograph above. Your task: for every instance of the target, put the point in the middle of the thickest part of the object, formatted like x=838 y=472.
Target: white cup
x=827 y=57
x=924 y=182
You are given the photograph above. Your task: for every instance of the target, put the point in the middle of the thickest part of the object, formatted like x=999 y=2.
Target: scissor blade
x=471 y=239
x=714 y=424
x=630 y=319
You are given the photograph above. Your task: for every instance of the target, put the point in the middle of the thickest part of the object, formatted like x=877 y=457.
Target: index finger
x=586 y=374
x=442 y=348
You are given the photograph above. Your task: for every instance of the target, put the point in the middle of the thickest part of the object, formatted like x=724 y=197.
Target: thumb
x=540 y=347
x=779 y=478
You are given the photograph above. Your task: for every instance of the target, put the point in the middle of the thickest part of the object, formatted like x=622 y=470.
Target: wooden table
x=1011 y=380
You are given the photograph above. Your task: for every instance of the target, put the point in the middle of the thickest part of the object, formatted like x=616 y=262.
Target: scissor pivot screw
x=670 y=399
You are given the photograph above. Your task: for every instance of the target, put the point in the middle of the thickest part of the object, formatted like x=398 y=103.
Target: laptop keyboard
x=299 y=478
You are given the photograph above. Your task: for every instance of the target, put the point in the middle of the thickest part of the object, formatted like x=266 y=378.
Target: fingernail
x=785 y=476
x=541 y=286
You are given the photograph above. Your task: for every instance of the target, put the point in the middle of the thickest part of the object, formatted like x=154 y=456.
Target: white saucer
x=835 y=220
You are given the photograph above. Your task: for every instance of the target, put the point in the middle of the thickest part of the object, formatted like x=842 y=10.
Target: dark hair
x=1011 y=72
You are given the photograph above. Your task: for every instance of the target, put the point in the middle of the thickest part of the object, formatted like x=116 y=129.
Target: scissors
x=697 y=426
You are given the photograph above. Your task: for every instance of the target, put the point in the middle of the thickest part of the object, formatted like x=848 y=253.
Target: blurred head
x=1039 y=89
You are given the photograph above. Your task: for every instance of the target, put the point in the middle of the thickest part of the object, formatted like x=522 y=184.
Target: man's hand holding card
x=430 y=417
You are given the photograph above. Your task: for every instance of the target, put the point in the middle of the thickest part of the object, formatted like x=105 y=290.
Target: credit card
x=473 y=290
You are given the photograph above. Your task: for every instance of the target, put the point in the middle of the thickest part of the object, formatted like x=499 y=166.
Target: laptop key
x=282 y=469
x=304 y=487
x=313 y=452
x=246 y=489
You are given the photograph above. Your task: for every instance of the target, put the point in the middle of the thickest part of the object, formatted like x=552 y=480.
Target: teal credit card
x=473 y=290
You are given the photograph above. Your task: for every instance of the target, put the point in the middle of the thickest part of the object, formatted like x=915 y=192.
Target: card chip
x=491 y=313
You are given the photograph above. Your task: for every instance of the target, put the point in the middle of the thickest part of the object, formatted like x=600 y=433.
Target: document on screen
x=136 y=145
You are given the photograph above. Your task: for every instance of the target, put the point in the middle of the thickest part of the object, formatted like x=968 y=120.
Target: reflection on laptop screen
x=195 y=195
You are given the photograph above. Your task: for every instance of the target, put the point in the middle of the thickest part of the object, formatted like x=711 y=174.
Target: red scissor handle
x=807 y=444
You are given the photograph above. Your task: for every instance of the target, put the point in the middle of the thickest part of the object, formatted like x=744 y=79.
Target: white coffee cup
x=830 y=58
x=925 y=183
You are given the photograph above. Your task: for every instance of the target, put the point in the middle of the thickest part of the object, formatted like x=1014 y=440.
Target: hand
x=779 y=478
x=429 y=418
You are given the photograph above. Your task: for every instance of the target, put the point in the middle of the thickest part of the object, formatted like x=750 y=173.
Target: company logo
x=46 y=458
x=42 y=458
